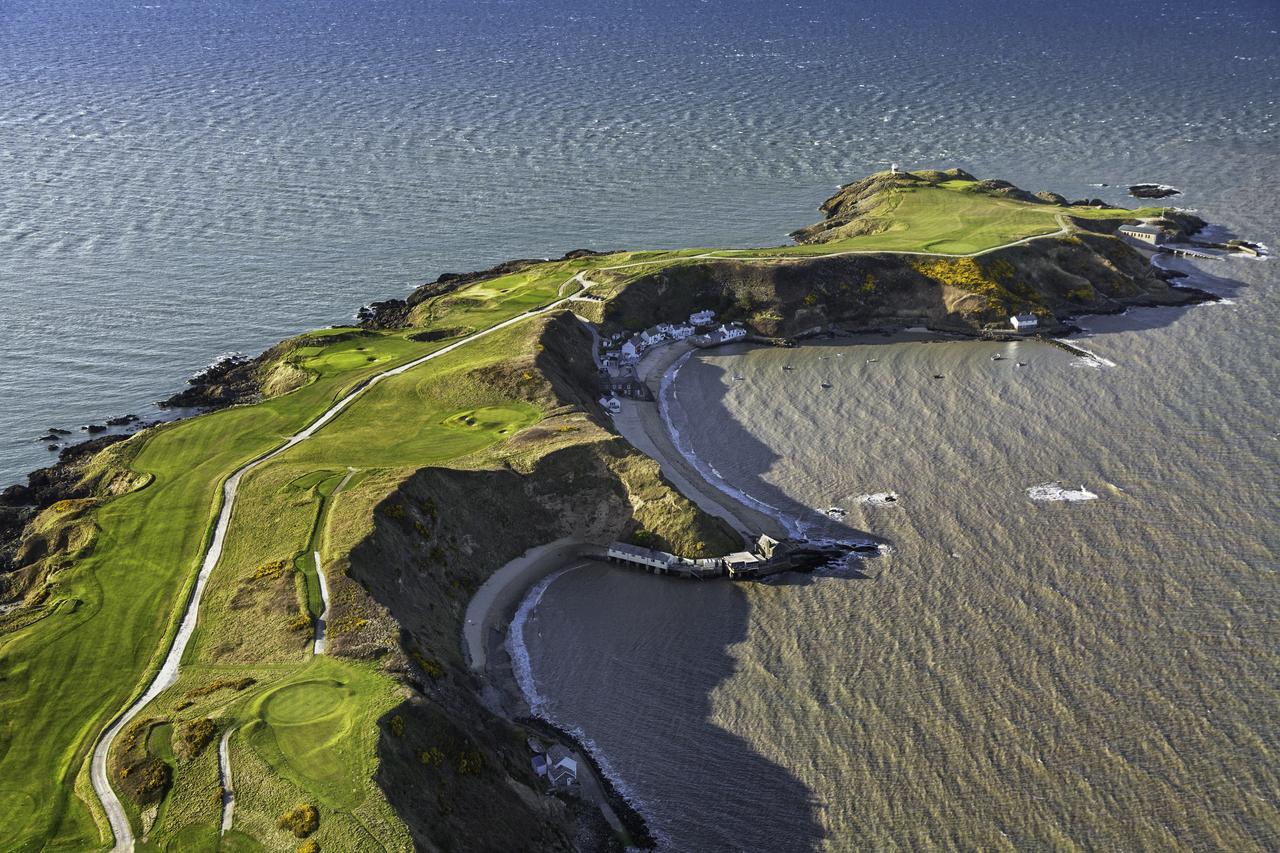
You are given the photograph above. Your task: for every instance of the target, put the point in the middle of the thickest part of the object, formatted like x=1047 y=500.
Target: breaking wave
x=1056 y=492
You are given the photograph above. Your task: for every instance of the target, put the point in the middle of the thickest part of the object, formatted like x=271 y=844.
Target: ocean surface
x=180 y=180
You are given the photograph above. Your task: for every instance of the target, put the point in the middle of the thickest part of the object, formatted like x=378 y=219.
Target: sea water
x=185 y=179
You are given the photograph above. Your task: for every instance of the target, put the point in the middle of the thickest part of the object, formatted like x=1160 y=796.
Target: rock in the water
x=1153 y=191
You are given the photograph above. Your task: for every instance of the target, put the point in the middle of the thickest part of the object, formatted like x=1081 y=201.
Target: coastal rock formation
x=1153 y=191
x=436 y=536
x=1086 y=273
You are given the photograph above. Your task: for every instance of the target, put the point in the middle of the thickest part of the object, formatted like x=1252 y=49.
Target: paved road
x=168 y=672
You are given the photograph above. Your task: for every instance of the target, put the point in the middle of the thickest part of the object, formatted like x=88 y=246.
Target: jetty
x=768 y=557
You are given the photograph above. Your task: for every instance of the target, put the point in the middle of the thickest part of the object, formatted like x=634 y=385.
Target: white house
x=621 y=552
x=679 y=333
x=611 y=404
x=1143 y=233
x=731 y=333
x=652 y=336
x=1023 y=321
x=703 y=317
x=562 y=768
x=630 y=351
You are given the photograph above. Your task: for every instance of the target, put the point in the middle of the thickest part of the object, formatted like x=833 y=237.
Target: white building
x=1023 y=321
x=650 y=337
x=561 y=767
x=1143 y=233
x=731 y=333
x=611 y=404
x=679 y=333
x=638 y=556
x=630 y=351
x=703 y=317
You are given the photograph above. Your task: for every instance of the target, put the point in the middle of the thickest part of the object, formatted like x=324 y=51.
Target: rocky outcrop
x=47 y=520
x=1087 y=273
x=230 y=380
x=394 y=313
x=456 y=773
x=1153 y=191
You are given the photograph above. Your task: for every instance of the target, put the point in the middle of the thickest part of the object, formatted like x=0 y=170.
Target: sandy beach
x=641 y=424
x=497 y=598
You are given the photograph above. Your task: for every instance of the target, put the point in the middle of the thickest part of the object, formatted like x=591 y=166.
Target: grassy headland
x=460 y=464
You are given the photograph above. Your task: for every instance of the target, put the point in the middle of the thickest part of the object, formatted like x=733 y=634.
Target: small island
x=343 y=501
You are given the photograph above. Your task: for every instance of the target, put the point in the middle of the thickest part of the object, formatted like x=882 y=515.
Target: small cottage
x=1148 y=234
x=562 y=767
x=702 y=318
x=1022 y=322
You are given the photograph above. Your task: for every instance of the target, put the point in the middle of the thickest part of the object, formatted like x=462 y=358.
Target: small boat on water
x=937 y=376
x=872 y=360
x=997 y=357
x=787 y=367
x=1020 y=363
x=738 y=378
x=826 y=384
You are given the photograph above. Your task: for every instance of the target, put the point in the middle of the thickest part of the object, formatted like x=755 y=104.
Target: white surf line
x=318 y=648
x=167 y=675
x=228 y=787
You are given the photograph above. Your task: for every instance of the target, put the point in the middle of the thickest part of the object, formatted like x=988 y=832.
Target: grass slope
x=64 y=674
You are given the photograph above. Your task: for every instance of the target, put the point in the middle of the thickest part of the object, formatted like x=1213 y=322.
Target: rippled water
x=1024 y=673
x=181 y=179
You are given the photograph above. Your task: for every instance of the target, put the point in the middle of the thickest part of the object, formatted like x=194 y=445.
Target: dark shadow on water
x=732 y=434
x=636 y=669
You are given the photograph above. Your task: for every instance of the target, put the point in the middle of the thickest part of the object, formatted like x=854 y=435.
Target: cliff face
x=1053 y=278
x=457 y=774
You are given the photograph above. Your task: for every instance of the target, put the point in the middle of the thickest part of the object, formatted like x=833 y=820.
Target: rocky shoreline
x=237 y=379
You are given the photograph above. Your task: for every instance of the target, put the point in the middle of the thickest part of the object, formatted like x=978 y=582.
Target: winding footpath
x=169 y=670
x=228 y=786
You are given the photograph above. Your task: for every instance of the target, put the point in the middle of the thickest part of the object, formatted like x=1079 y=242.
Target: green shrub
x=194 y=736
x=146 y=780
x=468 y=763
x=302 y=820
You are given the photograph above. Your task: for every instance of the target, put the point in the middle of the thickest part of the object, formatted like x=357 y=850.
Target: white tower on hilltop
x=893 y=168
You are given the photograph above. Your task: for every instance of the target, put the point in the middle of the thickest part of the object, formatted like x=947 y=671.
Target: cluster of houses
x=622 y=350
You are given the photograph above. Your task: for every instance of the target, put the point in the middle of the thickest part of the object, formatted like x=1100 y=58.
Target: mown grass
x=65 y=676
x=950 y=218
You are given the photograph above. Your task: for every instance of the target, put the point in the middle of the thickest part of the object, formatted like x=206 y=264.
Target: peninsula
x=244 y=630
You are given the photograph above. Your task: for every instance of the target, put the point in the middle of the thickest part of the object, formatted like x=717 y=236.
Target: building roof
x=1142 y=229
